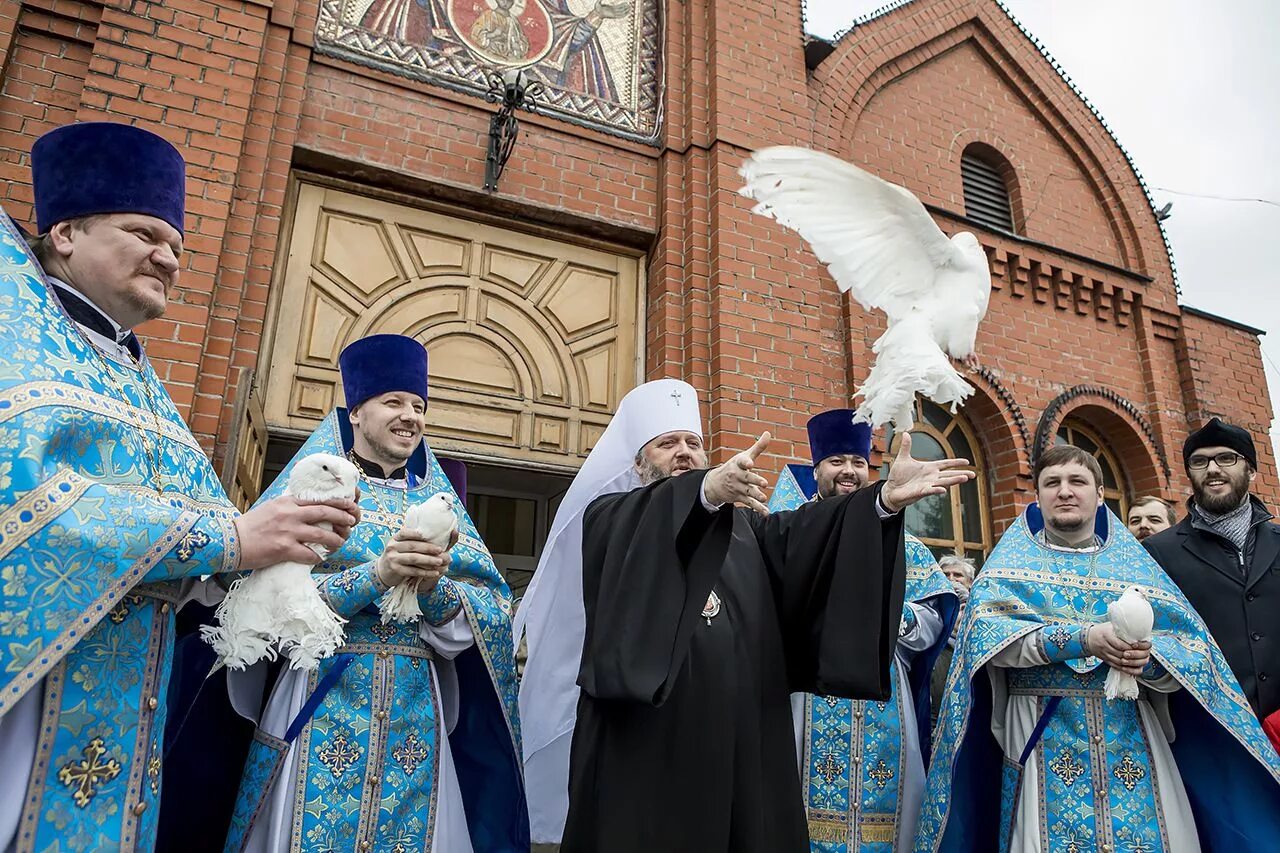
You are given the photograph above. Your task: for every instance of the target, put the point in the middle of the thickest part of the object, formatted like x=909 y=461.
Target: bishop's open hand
x=911 y=480
x=736 y=481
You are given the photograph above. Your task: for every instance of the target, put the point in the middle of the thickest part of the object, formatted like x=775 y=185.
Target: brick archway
x=1128 y=432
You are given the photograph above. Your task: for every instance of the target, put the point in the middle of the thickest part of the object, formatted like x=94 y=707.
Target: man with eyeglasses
x=1225 y=556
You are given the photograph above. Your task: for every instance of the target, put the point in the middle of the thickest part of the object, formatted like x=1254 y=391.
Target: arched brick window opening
x=957 y=522
x=991 y=195
x=1115 y=489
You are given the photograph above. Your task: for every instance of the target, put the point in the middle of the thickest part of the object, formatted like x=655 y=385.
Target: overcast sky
x=1189 y=87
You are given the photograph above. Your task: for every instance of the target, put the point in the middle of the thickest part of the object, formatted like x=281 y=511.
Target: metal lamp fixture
x=513 y=90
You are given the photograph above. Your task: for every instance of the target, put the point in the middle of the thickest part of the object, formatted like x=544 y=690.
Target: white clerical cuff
x=702 y=495
x=882 y=510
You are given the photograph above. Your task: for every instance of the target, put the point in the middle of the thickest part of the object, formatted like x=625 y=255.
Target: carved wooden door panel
x=531 y=341
x=242 y=471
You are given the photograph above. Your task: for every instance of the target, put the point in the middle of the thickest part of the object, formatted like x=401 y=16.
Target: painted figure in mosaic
x=423 y=22
x=111 y=510
x=687 y=622
x=862 y=762
x=576 y=61
x=498 y=30
x=1030 y=755
x=407 y=739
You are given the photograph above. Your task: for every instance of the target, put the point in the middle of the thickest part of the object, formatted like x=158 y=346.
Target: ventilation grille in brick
x=986 y=198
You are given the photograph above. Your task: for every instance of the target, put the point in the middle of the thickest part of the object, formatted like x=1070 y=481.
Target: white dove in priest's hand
x=1132 y=618
x=1102 y=640
x=881 y=245
x=417 y=556
x=736 y=481
x=279 y=607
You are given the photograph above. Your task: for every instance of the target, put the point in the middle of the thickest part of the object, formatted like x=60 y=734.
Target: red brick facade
x=1084 y=319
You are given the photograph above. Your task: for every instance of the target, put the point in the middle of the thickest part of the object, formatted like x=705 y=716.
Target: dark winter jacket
x=1237 y=593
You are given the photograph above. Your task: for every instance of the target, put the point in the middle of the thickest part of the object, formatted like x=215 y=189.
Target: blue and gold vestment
x=370 y=774
x=107 y=500
x=1095 y=778
x=853 y=762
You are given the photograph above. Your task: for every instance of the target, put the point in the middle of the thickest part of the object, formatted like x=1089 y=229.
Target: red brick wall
x=1222 y=376
x=736 y=305
x=914 y=129
x=48 y=53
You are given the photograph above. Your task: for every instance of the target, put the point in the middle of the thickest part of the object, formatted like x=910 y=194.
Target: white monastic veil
x=551 y=615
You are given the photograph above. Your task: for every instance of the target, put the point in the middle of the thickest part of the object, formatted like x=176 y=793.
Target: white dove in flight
x=436 y=519
x=280 y=606
x=882 y=246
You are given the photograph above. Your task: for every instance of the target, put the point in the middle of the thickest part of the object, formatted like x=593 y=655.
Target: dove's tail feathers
x=1121 y=685
x=278 y=607
x=400 y=603
x=907 y=363
x=243 y=634
x=311 y=633
x=240 y=650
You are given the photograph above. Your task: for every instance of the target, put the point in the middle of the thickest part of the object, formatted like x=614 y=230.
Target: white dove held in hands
x=435 y=519
x=881 y=246
x=279 y=607
x=1132 y=617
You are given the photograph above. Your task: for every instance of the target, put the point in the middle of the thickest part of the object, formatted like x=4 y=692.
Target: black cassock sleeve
x=649 y=560
x=839 y=576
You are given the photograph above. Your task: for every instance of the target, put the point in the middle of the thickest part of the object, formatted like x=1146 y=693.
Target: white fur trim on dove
x=279 y=607
x=1132 y=618
x=436 y=519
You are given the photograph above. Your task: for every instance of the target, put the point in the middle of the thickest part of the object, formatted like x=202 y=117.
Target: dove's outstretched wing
x=877 y=239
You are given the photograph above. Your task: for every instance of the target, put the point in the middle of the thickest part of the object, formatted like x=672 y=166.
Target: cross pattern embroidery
x=384 y=632
x=1067 y=767
x=829 y=768
x=676 y=395
x=411 y=753
x=880 y=774
x=1129 y=772
x=339 y=754
x=85 y=776
x=191 y=543
x=1060 y=636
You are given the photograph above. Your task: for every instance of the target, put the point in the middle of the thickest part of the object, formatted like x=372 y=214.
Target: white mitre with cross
x=551 y=616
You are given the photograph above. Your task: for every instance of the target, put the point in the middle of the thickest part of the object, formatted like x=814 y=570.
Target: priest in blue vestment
x=862 y=762
x=1031 y=755
x=407 y=739
x=110 y=508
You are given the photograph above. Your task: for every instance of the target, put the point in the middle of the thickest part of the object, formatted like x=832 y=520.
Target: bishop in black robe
x=684 y=739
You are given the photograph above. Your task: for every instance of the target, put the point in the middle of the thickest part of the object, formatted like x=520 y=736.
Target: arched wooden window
x=959 y=521
x=987 y=179
x=1115 y=491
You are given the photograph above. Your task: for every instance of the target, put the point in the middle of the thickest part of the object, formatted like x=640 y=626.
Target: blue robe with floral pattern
x=370 y=774
x=861 y=810
x=107 y=500
x=1096 y=778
